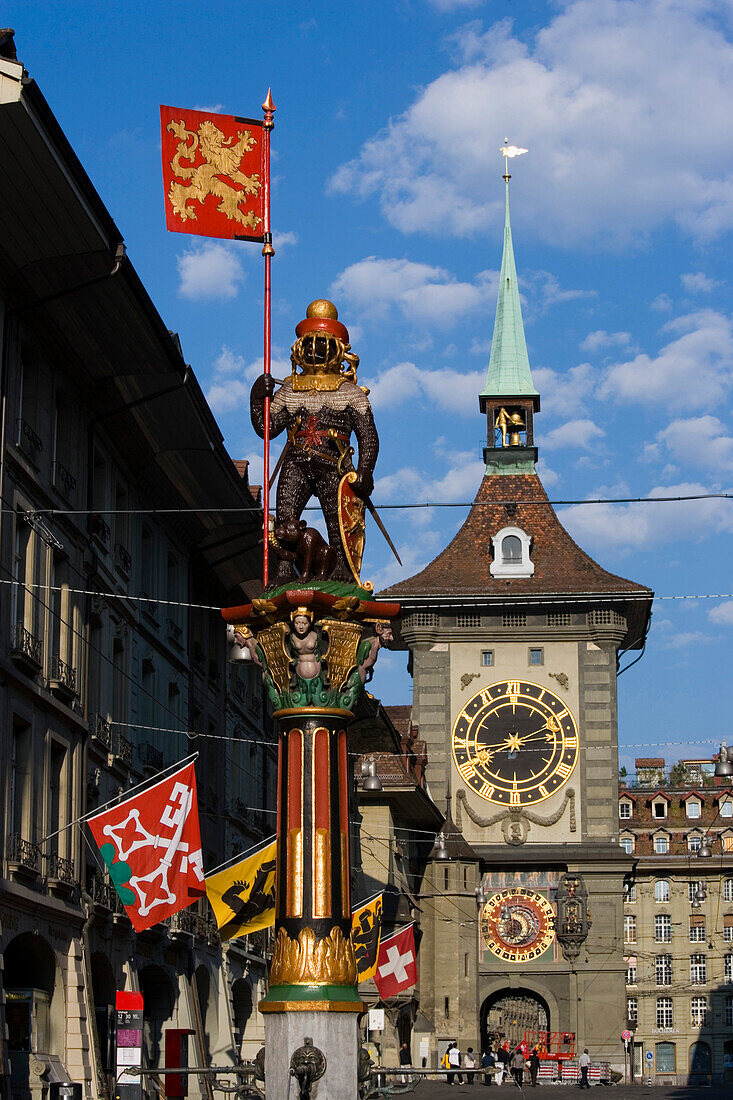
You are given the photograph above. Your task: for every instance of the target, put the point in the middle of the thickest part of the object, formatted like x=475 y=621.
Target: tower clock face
x=517 y=925
x=515 y=743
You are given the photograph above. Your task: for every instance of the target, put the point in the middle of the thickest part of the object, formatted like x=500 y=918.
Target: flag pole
x=268 y=252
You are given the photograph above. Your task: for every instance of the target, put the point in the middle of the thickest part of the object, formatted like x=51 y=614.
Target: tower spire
x=509 y=397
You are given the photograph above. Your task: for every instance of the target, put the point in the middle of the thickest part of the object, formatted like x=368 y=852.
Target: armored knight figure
x=319 y=406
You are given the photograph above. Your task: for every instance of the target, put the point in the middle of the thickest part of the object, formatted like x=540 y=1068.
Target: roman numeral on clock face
x=512 y=687
x=563 y=770
x=466 y=771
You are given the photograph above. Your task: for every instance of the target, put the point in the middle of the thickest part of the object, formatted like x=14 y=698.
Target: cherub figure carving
x=305 y=644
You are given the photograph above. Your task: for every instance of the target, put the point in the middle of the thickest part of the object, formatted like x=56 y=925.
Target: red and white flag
x=396 y=963
x=151 y=845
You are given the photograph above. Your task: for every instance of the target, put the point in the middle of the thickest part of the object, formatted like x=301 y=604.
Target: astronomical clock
x=517 y=925
x=515 y=743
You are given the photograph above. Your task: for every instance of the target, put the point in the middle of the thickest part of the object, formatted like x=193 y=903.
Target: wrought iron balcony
x=122 y=749
x=62 y=678
x=183 y=923
x=104 y=894
x=174 y=632
x=60 y=868
x=101 y=731
x=101 y=531
x=150 y=608
x=63 y=479
x=24 y=854
x=29 y=440
x=149 y=756
x=123 y=558
x=25 y=648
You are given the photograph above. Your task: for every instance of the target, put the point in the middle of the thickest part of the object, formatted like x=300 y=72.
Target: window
x=728 y=930
x=631 y=971
x=697 y=929
x=487 y=658
x=663 y=969
x=691 y=891
x=629 y=928
x=446 y=1007
x=661 y=890
x=698 y=1011
x=661 y=844
x=729 y=1011
x=627 y=843
x=728 y=968
x=624 y=809
x=663 y=928
x=693 y=808
x=629 y=891
x=664 y=1012
x=728 y=889
x=698 y=969
x=726 y=808
x=665 y=1060
x=511 y=549
x=632 y=1008
x=693 y=843
x=536 y=657
x=659 y=809
x=727 y=843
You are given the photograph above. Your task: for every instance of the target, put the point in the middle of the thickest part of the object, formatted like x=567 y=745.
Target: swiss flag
x=151 y=844
x=396 y=963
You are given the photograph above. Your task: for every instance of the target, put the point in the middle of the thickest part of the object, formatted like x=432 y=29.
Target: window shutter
x=728 y=920
x=697 y=921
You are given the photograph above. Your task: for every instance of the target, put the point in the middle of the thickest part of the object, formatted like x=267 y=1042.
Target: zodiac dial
x=515 y=743
x=517 y=925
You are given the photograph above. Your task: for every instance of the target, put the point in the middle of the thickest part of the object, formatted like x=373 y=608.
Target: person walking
x=454 y=1058
x=517 y=1065
x=488 y=1061
x=534 y=1066
x=405 y=1060
x=501 y=1063
x=469 y=1062
x=445 y=1064
x=584 y=1063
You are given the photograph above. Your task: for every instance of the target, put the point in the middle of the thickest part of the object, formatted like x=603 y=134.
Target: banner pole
x=268 y=252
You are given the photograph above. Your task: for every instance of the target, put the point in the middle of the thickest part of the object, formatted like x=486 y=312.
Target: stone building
x=109 y=670
x=515 y=635
x=678 y=928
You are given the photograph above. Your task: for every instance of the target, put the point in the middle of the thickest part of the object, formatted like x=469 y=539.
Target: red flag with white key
x=151 y=845
x=396 y=963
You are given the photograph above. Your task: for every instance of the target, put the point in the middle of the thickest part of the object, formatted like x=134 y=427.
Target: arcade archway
x=509 y=1013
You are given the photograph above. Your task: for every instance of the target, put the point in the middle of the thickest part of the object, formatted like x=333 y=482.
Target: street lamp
x=724 y=763
x=372 y=782
x=705 y=850
x=442 y=855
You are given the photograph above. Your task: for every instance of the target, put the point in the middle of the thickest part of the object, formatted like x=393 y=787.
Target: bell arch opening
x=508 y=1013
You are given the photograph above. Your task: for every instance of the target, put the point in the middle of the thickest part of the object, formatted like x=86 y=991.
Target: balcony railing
x=150 y=608
x=104 y=894
x=183 y=923
x=122 y=749
x=62 y=677
x=150 y=757
x=123 y=558
x=25 y=647
x=24 y=853
x=60 y=868
x=101 y=531
x=29 y=440
x=101 y=731
x=174 y=633
x=63 y=479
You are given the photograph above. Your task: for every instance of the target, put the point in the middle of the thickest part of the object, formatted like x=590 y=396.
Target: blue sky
x=387 y=196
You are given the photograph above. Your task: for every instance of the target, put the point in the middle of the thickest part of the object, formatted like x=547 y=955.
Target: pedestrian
x=517 y=1065
x=501 y=1061
x=445 y=1064
x=584 y=1063
x=469 y=1062
x=454 y=1057
x=488 y=1061
x=405 y=1060
x=534 y=1066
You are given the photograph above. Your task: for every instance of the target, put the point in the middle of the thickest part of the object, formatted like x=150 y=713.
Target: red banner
x=151 y=845
x=396 y=963
x=213 y=174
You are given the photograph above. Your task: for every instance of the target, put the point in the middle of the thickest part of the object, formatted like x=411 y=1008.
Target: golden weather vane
x=507 y=151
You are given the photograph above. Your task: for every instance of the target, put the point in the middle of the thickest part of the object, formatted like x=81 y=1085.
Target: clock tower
x=515 y=636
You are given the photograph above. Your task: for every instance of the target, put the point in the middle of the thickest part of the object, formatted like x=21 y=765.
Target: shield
x=351 y=524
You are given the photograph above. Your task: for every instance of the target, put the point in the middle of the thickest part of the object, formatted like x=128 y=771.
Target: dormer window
x=693 y=808
x=659 y=808
x=511 y=553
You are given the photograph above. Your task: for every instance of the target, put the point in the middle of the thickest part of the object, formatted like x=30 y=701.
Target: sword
x=382 y=528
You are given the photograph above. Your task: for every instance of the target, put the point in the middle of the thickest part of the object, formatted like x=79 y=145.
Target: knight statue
x=319 y=406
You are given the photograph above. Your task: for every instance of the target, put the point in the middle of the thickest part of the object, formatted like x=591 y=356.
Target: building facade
x=678 y=924
x=515 y=636
x=113 y=660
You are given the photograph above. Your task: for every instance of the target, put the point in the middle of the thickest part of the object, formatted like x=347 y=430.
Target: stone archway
x=34 y=1004
x=509 y=1013
x=104 y=988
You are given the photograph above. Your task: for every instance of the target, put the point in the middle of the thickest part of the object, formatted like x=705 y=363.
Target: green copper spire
x=508 y=374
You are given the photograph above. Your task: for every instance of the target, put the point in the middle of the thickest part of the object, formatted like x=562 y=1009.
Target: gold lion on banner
x=222 y=159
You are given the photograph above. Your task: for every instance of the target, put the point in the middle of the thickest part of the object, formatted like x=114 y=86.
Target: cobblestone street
x=439 y=1090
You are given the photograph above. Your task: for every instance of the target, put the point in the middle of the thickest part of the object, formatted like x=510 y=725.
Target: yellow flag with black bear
x=243 y=894
x=366 y=927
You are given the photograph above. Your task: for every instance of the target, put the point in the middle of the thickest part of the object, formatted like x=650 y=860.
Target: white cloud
x=459 y=482
x=607 y=93
x=662 y=303
x=624 y=527
x=695 y=370
x=576 y=433
x=233 y=378
x=687 y=638
x=374 y=286
x=547 y=476
x=722 y=613
x=703 y=440
x=567 y=391
x=209 y=271
x=215 y=110
x=596 y=341
x=452 y=5
x=698 y=283
x=449 y=389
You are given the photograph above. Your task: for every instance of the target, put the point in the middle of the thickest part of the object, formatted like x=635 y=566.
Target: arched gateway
x=509 y=1013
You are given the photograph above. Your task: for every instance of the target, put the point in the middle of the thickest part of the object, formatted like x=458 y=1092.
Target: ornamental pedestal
x=316 y=650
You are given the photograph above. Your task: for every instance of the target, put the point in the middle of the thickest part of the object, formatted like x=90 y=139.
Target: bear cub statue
x=306 y=547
